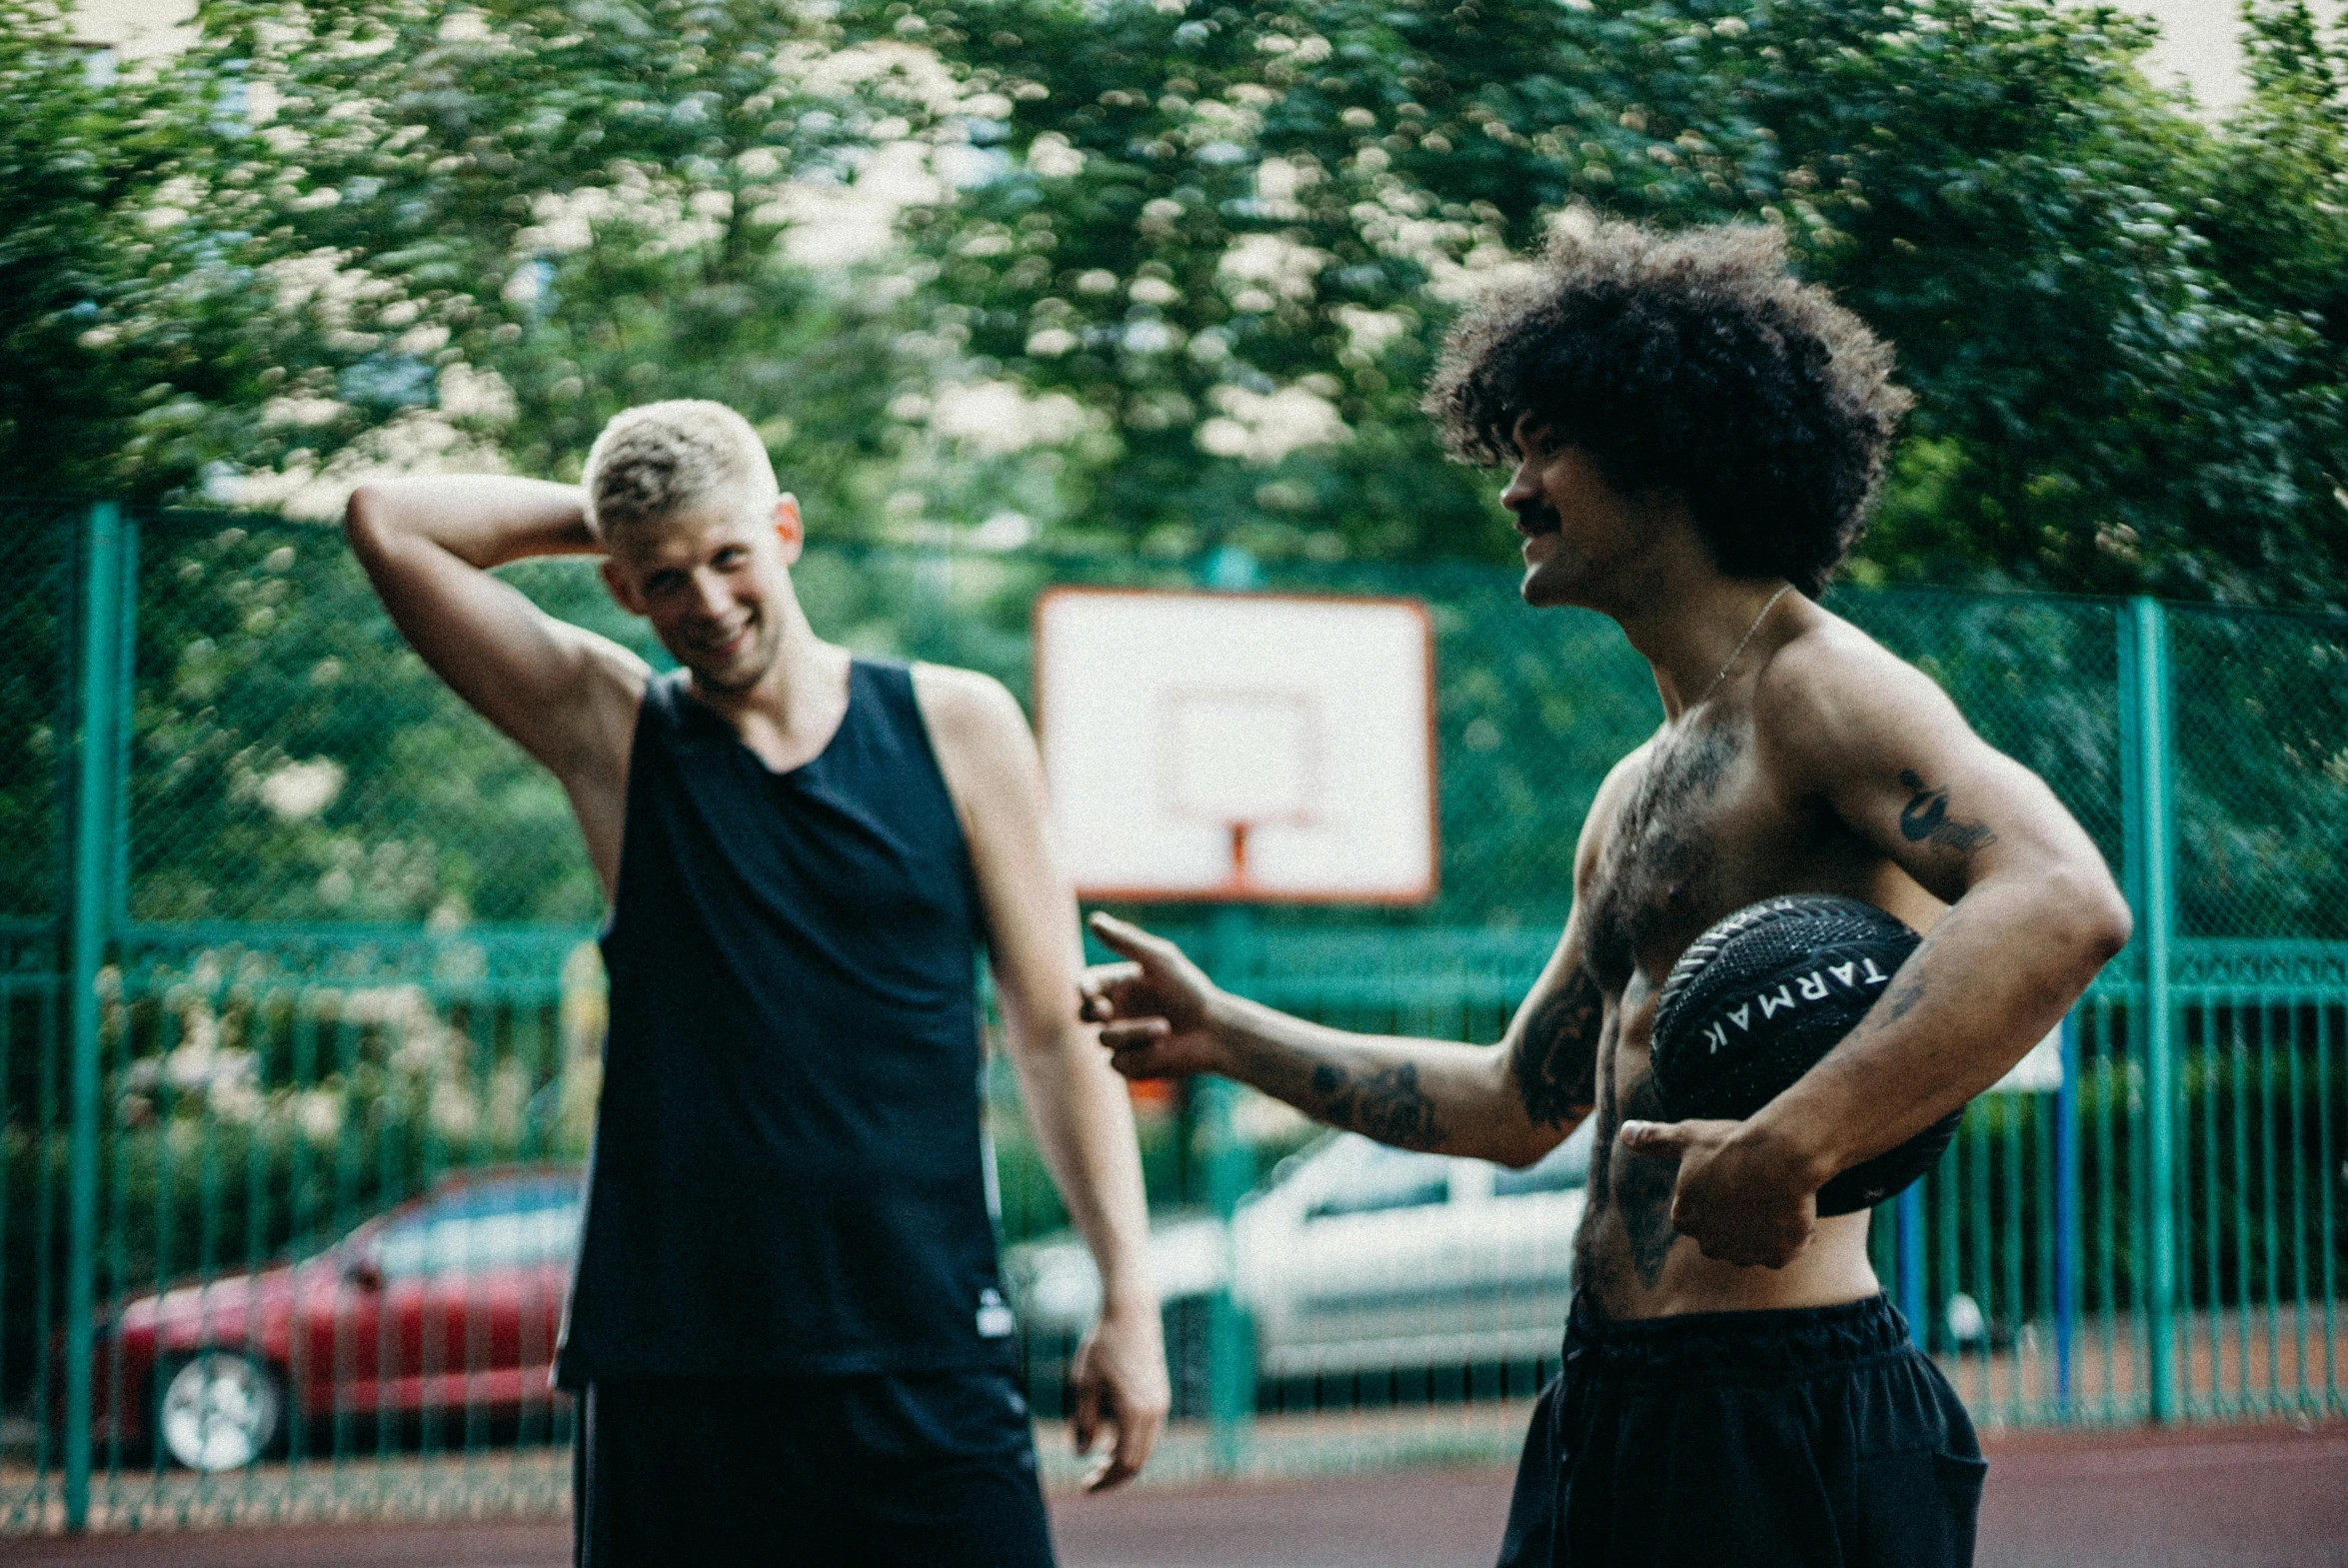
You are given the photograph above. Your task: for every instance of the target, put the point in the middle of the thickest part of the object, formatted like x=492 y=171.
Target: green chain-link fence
x=300 y=1013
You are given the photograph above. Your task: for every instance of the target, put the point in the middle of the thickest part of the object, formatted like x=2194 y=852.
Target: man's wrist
x=1227 y=1018
x=1128 y=1293
x=1798 y=1139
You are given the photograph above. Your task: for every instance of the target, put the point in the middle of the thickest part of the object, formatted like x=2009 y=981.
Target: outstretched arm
x=1082 y=1121
x=565 y=694
x=2034 y=915
x=1163 y=1018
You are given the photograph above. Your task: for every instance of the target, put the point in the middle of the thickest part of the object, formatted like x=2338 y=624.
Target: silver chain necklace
x=1741 y=644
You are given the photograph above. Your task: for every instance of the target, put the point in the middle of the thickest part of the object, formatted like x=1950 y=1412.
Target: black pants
x=922 y=1470
x=1813 y=1439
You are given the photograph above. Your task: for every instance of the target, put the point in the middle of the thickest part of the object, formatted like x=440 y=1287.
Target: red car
x=450 y=1302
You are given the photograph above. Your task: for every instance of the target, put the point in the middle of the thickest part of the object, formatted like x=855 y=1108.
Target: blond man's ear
x=621 y=586
x=789 y=528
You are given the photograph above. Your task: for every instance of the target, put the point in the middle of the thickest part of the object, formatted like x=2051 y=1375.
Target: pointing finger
x=1124 y=937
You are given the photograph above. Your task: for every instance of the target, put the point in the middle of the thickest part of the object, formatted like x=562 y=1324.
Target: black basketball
x=1757 y=1000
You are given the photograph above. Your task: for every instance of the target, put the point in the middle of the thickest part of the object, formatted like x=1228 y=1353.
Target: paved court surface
x=2226 y=1498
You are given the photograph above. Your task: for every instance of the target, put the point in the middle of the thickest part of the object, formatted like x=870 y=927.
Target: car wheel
x=220 y=1410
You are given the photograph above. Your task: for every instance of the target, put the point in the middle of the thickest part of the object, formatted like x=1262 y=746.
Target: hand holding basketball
x=1152 y=1008
x=1743 y=1197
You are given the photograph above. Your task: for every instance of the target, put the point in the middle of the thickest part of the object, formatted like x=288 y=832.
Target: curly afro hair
x=1691 y=361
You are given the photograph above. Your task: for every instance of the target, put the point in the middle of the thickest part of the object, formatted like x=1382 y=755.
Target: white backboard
x=1247 y=747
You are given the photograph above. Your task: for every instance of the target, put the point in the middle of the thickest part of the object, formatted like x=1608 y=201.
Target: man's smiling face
x=713 y=581
x=1577 y=529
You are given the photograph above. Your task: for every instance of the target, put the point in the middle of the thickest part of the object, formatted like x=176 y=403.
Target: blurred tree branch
x=1172 y=274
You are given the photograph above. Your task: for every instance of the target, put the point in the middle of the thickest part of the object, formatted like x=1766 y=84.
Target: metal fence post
x=1908 y=1241
x=2150 y=806
x=1230 y=1340
x=1230 y=1169
x=119 y=752
x=97 y=769
x=2066 y=1213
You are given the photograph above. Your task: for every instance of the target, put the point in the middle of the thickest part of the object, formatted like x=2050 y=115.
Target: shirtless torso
x=1686 y=829
x=1823 y=764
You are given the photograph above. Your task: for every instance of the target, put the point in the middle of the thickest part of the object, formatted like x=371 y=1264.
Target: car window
x=1561 y=1170
x=1386 y=1178
x=505 y=1225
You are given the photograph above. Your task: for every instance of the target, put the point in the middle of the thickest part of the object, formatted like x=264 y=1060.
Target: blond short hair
x=659 y=459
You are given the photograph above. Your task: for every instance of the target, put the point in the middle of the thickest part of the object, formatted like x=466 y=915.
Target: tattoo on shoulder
x=1389 y=1106
x=1556 y=1058
x=1926 y=820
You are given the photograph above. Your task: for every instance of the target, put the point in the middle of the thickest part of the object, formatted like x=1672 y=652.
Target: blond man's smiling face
x=715 y=582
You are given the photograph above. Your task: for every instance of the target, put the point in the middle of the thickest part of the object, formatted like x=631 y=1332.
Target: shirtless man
x=1696 y=435
x=787 y=1329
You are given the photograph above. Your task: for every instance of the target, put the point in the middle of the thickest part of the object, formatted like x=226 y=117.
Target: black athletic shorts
x=1819 y=1438
x=922 y=1470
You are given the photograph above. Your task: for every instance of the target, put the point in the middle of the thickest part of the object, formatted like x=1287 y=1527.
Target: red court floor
x=2265 y=1497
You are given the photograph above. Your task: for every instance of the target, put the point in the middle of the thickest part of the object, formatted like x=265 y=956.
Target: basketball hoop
x=1194 y=740
x=1241 y=759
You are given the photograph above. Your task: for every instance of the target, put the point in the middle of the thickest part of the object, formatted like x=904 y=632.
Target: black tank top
x=787 y=1174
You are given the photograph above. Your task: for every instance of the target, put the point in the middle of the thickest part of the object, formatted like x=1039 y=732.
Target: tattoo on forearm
x=1925 y=819
x=1905 y=995
x=1389 y=1106
x=1909 y=983
x=1556 y=1058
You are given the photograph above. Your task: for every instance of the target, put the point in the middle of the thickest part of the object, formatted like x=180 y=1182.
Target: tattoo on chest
x=1556 y=1058
x=1389 y=1106
x=1925 y=819
x=1660 y=858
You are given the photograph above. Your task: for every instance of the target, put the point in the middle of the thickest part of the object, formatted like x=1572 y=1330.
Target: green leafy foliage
x=1205 y=199
x=558 y=211
x=292 y=759
x=1172 y=275
x=81 y=150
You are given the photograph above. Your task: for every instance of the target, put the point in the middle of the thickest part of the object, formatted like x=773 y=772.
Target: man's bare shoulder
x=1832 y=699
x=970 y=703
x=976 y=727
x=988 y=757
x=608 y=681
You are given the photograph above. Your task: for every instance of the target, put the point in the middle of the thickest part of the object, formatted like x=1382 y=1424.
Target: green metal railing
x=290 y=940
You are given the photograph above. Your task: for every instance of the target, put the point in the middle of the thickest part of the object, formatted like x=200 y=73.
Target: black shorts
x=1803 y=1438
x=924 y=1470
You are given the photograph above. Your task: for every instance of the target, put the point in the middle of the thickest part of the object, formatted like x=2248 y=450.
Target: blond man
x=787 y=1331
